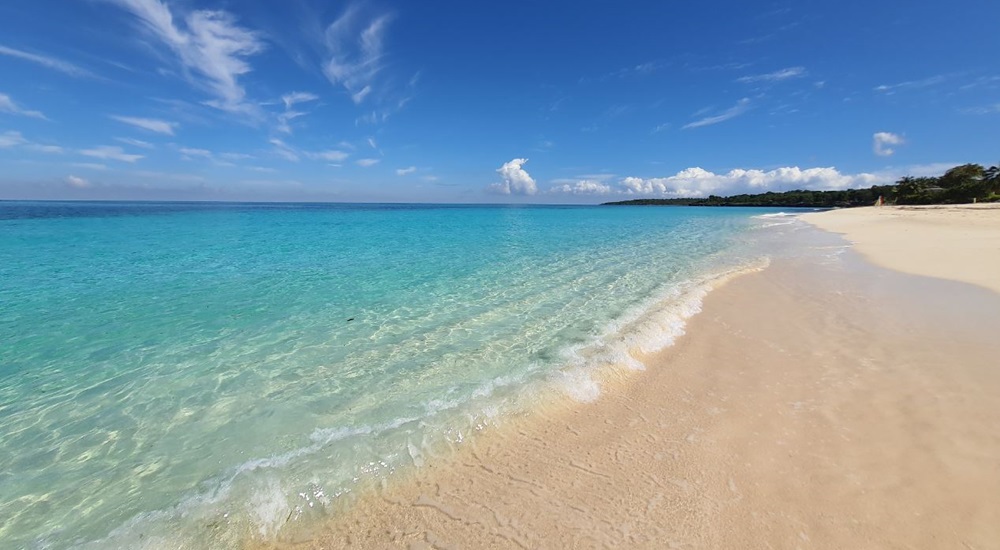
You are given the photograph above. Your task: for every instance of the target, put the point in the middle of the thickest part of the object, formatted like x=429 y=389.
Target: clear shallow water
x=207 y=373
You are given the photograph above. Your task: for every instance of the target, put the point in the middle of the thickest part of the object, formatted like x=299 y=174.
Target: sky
x=488 y=102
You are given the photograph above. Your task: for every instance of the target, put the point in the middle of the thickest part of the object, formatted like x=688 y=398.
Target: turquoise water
x=195 y=375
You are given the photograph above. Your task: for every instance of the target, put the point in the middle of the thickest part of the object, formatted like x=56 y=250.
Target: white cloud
x=783 y=74
x=41 y=148
x=212 y=48
x=90 y=165
x=7 y=105
x=235 y=156
x=332 y=155
x=77 y=182
x=151 y=124
x=355 y=46
x=983 y=110
x=293 y=98
x=890 y=89
x=109 y=152
x=406 y=171
x=372 y=144
x=697 y=182
x=11 y=139
x=736 y=110
x=190 y=153
x=883 y=142
x=290 y=100
x=136 y=143
x=582 y=187
x=45 y=61
x=284 y=151
x=366 y=163
x=516 y=180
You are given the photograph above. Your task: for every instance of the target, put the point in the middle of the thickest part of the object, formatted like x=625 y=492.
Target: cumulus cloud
x=211 y=47
x=582 y=187
x=366 y=163
x=736 y=110
x=883 y=143
x=45 y=61
x=109 y=152
x=7 y=105
x=355 y=46
x=77 y=182
x=151 y=124
x=697 y=182
x=776 y=76
x=514 y=180
x=406 y=171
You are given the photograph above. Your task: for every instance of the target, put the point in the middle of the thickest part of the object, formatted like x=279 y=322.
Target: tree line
x=961 y=184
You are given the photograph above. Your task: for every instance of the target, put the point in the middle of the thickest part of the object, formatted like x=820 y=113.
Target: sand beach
x=844 y=397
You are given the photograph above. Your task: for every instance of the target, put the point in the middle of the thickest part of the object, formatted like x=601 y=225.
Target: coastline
x=959 y=242
x=823 y=402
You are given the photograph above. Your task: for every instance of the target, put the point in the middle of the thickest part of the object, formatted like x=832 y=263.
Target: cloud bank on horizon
x=208 y=99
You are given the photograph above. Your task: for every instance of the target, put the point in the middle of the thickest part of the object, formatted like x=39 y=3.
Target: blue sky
x=545 y=102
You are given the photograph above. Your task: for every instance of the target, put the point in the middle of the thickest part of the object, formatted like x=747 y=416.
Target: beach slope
x=821 y=403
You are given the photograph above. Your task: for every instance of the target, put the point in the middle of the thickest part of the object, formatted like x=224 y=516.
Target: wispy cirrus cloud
x=210 y=45
x=7 y=105
x=890 y=89
x=11 y=139
x=883 y=143
x=292 y=154
x=366 y=163
x=356 y=54
x=136 y=143
x=290 y=100
x=742 y=106
x=151 y=124
x=776 y=76
x=111 y=152
x=331 y=155
x=406 y=171
x=983 y=110
x=48 y=62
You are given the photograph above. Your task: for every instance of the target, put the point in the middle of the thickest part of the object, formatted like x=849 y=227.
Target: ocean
x=198 y=375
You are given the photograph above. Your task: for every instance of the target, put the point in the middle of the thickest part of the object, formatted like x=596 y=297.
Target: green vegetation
x=961 y=184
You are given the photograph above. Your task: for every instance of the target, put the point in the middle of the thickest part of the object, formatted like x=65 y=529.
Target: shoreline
x=805 y=406
x=936 y=240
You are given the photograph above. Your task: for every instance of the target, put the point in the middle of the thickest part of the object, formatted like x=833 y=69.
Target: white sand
x=960 y=242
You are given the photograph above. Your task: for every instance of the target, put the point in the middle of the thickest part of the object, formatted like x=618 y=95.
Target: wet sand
x=821 y=403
